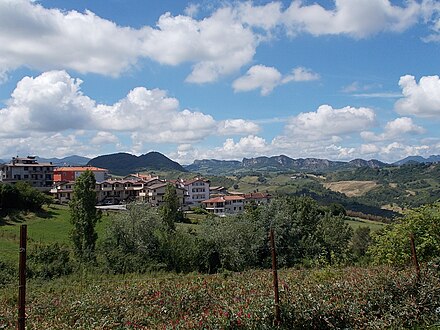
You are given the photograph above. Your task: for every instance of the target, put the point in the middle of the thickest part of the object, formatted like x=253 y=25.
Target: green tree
x=334 y=234
x=170 y=210
x=360 y=242
x=84 y=216
x=392 y=245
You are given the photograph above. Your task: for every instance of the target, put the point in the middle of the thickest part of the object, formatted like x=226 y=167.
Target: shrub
x=49 y=261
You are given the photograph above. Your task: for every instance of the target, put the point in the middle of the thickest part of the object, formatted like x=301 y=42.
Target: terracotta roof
x=80 y=168
x=222 y=199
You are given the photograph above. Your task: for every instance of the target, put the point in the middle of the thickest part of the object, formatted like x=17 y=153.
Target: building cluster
x=59 y=181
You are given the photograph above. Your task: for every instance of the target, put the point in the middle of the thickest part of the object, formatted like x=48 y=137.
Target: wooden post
x=275 y=277
x=414 y=256
x=22 y=280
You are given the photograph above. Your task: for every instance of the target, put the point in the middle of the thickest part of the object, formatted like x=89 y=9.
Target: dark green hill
x=124 y=163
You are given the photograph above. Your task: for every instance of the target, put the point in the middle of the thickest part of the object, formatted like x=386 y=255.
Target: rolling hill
x=125 y=163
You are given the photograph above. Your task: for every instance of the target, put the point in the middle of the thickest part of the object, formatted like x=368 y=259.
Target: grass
x=357 y=222
x=50 y=226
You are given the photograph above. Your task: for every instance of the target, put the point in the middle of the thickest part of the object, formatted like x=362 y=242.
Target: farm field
x=351 y=188
x=355 y=298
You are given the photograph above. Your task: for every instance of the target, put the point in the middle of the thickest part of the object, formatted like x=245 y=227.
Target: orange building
x=67 y=174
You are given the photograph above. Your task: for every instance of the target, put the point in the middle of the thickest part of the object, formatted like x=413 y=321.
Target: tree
x=84 y=216
x=392 y=246
x=170 y=209
x=334 y=234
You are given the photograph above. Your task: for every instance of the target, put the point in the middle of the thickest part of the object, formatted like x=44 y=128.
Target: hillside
x=124 y=163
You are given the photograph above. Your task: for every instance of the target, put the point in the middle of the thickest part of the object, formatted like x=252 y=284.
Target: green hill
x=125 y=163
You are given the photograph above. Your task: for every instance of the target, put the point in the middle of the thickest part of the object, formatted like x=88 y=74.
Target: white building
x=225 y=205
x=196 y=190
x=38 y=175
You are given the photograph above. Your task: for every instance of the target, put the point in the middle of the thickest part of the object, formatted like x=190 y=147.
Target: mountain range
x=66 y=161
x=276 y=164
x=125 y=163
x=418 y=159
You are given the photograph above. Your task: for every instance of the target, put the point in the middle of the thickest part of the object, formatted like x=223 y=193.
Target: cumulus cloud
x=301 y=74
x=356 y=18
x=216 y=45
x=395 y=129
x=419 y=99
x=43 y=39
x=237 y=126
x=267 y=78
x=47 y=103
x=327 y=122
x=54 y=102
x=104 y=138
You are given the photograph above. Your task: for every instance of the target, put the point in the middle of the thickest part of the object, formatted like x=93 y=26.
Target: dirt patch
x=351 y=188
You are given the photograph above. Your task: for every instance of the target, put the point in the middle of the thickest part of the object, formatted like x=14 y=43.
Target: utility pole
x=414 y=256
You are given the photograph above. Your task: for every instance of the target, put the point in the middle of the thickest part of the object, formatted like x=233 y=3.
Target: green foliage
x=132 y=241
x=360 y=242
x=347 y=298
x=335 y=235
x=84 y=216
x=392 y=245
x=7 y=273
x=49 y=261
x=22 y=196
x=170 y=209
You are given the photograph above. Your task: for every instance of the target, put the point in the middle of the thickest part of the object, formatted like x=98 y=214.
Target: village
x=191 y=193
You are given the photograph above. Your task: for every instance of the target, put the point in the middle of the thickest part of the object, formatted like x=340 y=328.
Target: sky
x=333 y=79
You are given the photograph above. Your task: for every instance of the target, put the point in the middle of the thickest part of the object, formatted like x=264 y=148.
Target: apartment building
x=196 y=190
x=28 y=169
x=224 y=205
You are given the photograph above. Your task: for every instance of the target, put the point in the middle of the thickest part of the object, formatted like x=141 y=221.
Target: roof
x=80 y=169
x=223 y=199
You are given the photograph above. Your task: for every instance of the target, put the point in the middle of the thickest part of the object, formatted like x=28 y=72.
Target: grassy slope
x=47 y=227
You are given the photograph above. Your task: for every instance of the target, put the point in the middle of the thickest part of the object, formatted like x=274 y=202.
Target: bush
x=49 y=261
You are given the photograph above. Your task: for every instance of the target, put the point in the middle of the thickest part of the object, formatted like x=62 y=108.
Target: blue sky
x=330 y=79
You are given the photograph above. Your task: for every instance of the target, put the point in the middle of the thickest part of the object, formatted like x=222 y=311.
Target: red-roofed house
x=224 y=205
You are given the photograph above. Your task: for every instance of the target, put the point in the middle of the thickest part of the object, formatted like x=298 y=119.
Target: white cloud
x=192 y=9
x=267 y=78
x=356 y=18
x=45 y=39
x=395 y=129
x=50 y=102
x=216 y=45
x=104 y=138
x=53 y=102
x=301 y=74
x=258 y=76
x=327 y=122
x=237 y=126
x=419 y=99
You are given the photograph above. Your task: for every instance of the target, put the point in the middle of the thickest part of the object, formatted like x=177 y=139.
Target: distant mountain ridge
x=418 y=159
x=73 y=160
x=278 y=163
x=124 y=163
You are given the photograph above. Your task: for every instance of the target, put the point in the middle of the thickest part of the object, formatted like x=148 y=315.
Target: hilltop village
x=60 y=181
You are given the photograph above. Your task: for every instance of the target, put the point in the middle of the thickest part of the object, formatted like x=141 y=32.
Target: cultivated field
x=351 y=188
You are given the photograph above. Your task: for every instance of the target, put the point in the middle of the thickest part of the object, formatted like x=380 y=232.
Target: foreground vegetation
x=112 y=288
x=329 y=298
